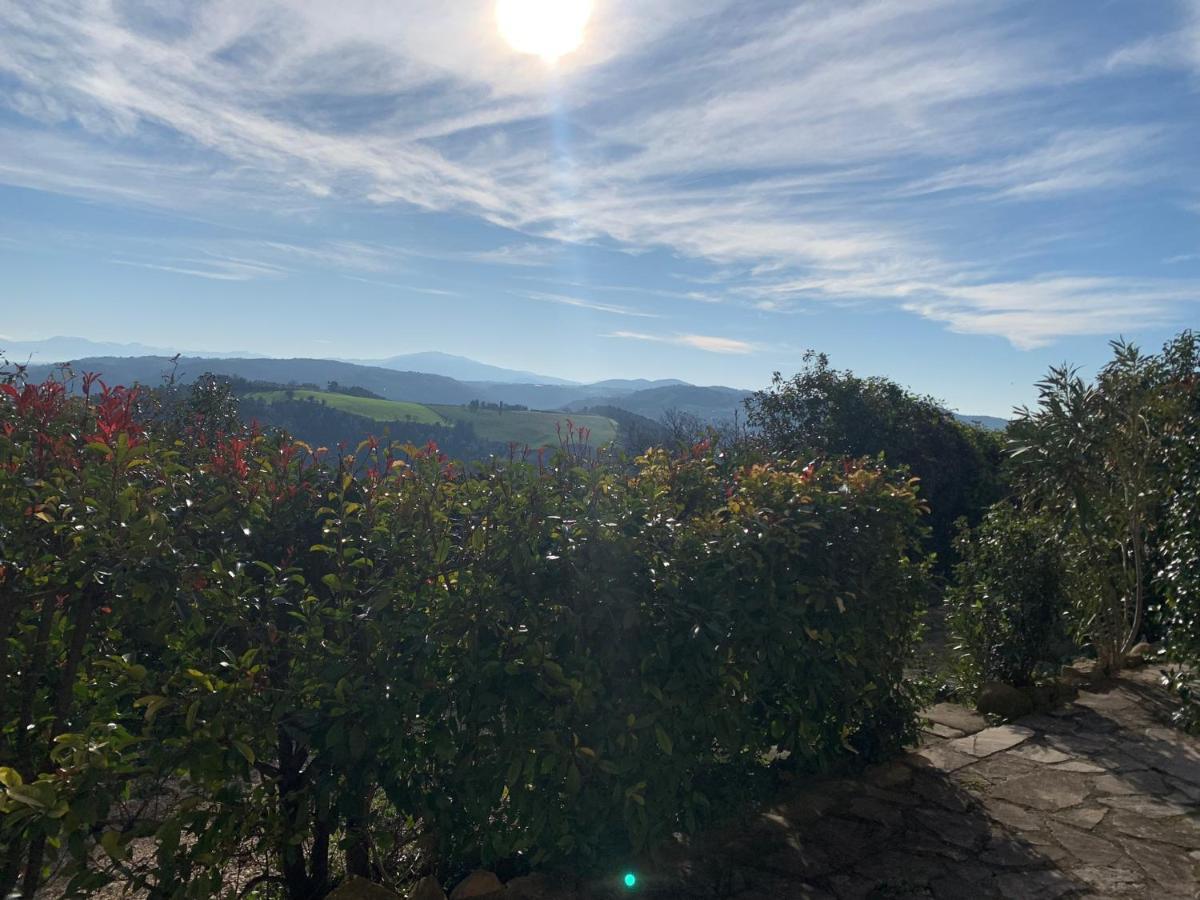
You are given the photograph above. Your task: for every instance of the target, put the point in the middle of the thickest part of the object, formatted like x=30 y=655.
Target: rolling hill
x=712 y=404
x=368 y=407
x=415 y=386
x=523 y=427
x=536 y=429
x=650 y=399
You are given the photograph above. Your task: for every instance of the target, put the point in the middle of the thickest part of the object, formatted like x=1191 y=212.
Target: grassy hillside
x=537 y=429
x=711 y=404
x=379 y=410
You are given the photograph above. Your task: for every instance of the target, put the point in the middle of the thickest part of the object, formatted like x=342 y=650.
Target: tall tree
x=826 y=412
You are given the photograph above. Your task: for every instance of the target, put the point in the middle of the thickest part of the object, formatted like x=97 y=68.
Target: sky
x=953 y=194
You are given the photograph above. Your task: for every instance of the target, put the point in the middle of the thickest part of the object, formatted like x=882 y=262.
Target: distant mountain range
x=438 y=378
x=63 y=349
x=458 y=367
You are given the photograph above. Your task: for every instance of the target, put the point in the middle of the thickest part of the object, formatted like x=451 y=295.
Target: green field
x=537 y=429
x=379 y=410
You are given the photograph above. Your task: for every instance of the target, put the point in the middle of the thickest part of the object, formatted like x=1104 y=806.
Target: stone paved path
x=1098 y=799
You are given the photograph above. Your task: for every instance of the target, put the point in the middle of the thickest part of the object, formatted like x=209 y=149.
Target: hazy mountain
x=64 y=349
x=418 y=386
x=650 y=399
x=629 y=385
x=460 y=368
x=988 y=423
x=535 y=396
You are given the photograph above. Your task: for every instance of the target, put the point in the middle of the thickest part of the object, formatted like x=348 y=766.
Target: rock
x=969 y=833
x=1111 y=881
x=1144 y=782
x=530 y=887
x=1045 y=790
x=1045 y=885
x=1087 y=848
x=480 y=883
x=939 y=757
x=951 y=715
x=1083 y=768
x=428 y=889
x=1148 y=807
x=1012 y=815
x=1002 y=767
x=1086 y=817
x=1173 y=871
x=872 y=810
x=1004 y=700
x=938 y=730
x=1072 y=677
x=889 y=775
x=1183 y=832
x=1039 y=753
x=355 y=888
x=1140 y=654
x=992 y=740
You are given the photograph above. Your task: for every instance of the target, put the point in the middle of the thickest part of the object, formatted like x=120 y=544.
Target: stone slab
x=1046 y=756
x=952 y=715
x=1045 y=790
x=992 y=740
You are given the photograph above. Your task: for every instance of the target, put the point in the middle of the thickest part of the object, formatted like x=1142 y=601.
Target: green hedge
x=1006 y=607
x=350 y=664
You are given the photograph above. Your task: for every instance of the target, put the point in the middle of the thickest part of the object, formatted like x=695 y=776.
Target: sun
x=545 y=28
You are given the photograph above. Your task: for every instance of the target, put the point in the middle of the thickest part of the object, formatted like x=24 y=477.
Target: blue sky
x=955 y=194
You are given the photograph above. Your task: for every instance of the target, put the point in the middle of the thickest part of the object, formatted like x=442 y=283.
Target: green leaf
x=111 y=842
x=664 y=739
x=574 y=780
x=38 y=795
x=243 y=748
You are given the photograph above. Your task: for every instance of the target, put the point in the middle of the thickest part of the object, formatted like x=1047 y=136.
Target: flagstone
x=992 y=740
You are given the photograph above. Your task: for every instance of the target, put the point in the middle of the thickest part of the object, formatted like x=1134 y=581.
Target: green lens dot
x=630 y=879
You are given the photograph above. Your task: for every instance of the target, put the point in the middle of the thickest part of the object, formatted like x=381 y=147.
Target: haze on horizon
x=954 y=195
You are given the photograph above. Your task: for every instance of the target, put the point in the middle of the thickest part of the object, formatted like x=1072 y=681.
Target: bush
x=229 y=654
x=821 y=410
x=1093 y=457
x=1180 y=575
x=1007 y=603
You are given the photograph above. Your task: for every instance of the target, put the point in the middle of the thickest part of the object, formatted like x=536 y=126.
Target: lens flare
x=545 y=28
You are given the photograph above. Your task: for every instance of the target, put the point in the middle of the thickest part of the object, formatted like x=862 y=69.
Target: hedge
x=241 y=654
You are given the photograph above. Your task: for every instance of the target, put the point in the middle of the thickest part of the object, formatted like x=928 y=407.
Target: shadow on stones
x=1100 y=801
x=901 y=830
x=1123 y=728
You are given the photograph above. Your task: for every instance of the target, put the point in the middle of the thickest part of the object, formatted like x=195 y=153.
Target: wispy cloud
x=1071 y=161
x=809 y=153
x=1178 y=48
x=708 y=343
x=437 y=292
x=563 y=300
x=526 y=254
x=215 y=270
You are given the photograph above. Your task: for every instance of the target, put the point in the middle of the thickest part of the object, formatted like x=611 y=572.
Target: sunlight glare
x=545 y=28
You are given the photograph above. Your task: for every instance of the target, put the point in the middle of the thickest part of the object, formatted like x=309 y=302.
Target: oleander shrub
x=1180 y=574
x=1008 y=600
x=1095 y=458
x=234 y=663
